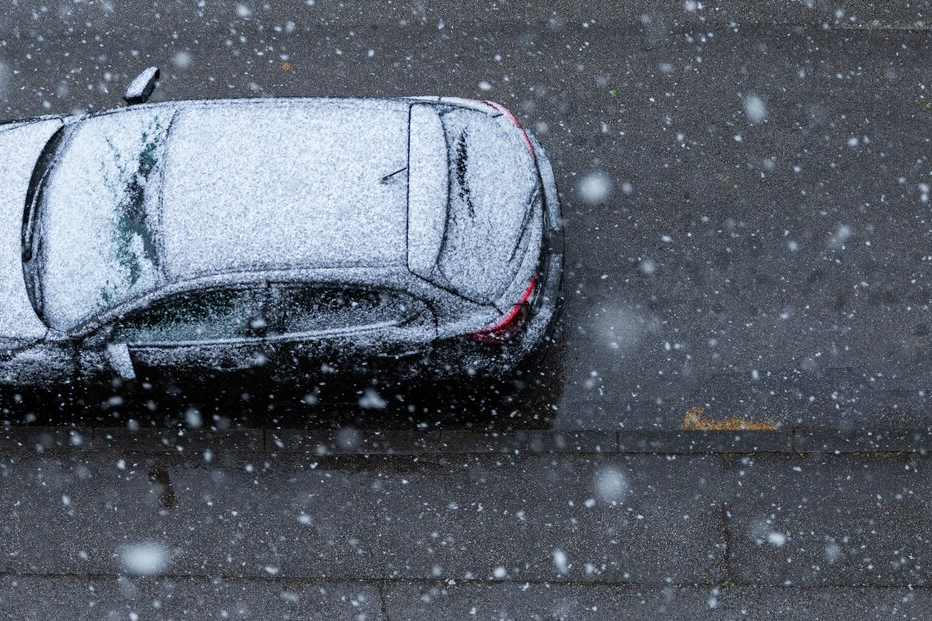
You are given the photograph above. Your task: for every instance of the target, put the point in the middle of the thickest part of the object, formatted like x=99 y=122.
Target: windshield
x=96 y=240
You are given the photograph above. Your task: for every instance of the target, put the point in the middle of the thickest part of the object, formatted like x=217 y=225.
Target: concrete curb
x=350 y=441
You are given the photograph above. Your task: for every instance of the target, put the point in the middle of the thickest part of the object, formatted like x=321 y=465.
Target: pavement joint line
x=383 y=602
x=463 y=582
x=400 y=443
x=817 y=23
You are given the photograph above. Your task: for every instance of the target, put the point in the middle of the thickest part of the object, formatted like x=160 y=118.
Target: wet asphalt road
x=764 y=249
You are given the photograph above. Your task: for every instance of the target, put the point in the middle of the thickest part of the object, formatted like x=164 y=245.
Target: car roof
x=270 y=184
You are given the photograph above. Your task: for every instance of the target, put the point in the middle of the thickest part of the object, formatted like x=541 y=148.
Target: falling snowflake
x=371 y=400
x=144 y=559
x=560 y=561
x=595 y=188
x=755 y=109
x=611 y=484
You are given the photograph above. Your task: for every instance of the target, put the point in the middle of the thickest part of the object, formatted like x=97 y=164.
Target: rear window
x=493 y=181
x=306 y=309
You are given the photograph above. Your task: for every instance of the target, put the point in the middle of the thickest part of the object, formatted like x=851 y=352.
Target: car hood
x=20 y=146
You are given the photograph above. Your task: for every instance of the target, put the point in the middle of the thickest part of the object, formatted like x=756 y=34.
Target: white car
x=420 y=234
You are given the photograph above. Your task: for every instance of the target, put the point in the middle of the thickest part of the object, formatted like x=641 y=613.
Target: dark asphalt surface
x=771 y=271
x=319 y=534
x=762 y=257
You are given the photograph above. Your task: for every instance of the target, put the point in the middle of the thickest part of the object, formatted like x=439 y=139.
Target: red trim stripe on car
x=508 y=326
x=514 y=120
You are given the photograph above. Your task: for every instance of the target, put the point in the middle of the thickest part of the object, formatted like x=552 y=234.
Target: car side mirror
x=120 y=360
x=140 y=89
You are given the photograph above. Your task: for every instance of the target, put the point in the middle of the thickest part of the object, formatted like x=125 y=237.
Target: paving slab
x=646 y=520
x=229 y=516
x=515 y=601
x=180 y=439
x=704 y=442
x=76 y=598
x=559 y=602
x=41 y=438
x=818 y=604
x=882 y=440
x=830 y=521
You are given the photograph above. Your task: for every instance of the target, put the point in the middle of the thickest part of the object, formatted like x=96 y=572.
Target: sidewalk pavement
x=556 y=527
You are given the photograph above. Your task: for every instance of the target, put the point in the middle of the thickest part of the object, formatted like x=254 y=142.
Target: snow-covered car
x=422 y=235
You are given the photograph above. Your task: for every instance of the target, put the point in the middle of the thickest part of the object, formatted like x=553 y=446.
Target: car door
x=194 y=335
x=36 y=364
x=320 y=329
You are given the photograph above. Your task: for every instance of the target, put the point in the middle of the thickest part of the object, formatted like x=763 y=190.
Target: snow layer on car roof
x=275 y=185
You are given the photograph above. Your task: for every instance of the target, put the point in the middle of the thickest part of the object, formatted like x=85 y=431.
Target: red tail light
x=514 y=120
x=505 y=329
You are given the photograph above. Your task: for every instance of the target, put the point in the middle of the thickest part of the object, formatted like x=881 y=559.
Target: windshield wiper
x=31 y=216
x=33 y=193
x=389 y=176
